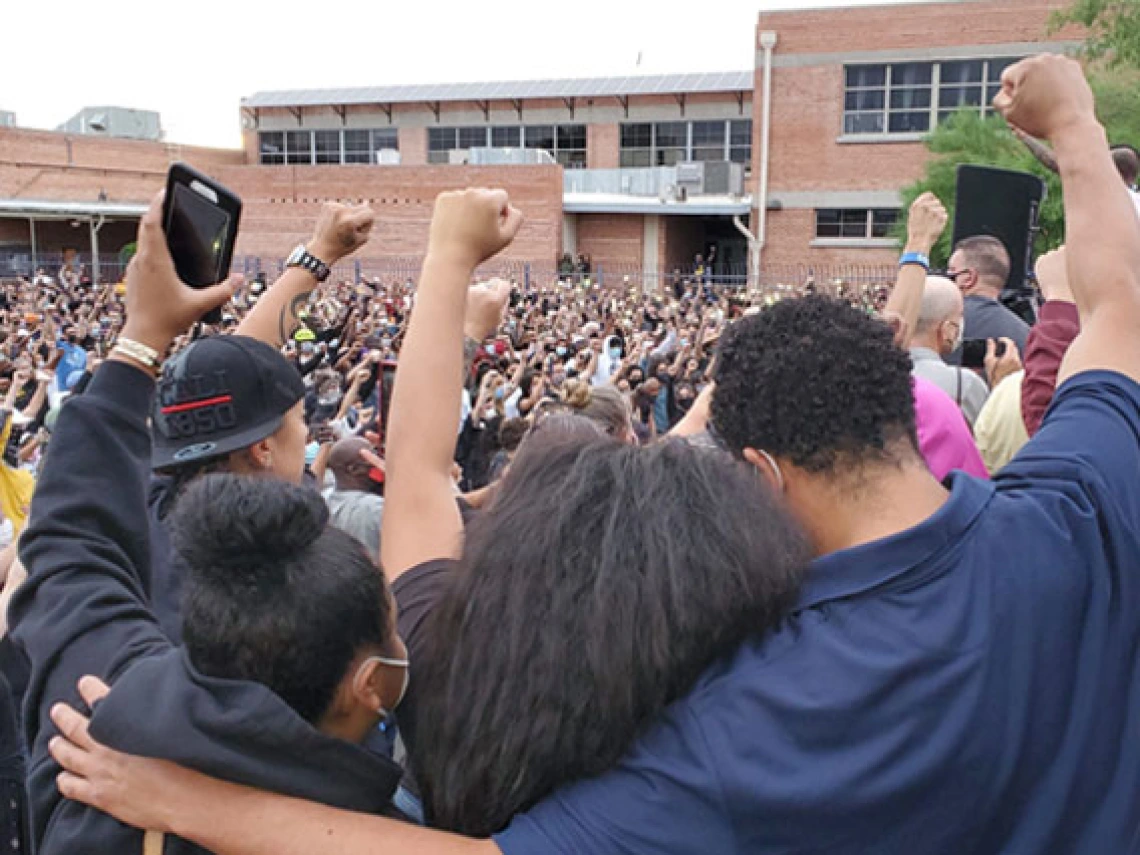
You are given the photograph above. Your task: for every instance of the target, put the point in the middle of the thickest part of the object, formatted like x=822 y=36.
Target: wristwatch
x=301 y=257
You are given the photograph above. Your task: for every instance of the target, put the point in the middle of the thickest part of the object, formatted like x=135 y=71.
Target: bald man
x=357 y=505
x=937 y=334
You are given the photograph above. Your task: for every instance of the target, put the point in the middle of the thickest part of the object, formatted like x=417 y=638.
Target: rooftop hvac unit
x=7 y=119
x=388 y=157
x=691 y=178
x=724 y=179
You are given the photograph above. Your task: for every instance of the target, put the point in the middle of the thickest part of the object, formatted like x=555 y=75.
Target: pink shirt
x=943 y=435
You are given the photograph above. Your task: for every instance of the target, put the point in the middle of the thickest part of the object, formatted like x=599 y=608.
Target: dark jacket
x=83 y=611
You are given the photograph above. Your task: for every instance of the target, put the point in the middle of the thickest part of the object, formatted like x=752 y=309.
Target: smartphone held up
x=200 y=218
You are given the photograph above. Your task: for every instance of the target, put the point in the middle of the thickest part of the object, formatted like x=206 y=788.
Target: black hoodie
x=82 y=611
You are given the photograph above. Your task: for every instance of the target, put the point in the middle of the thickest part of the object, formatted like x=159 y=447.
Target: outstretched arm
x=340 y=231
x=1048 y=97
x=421 y=517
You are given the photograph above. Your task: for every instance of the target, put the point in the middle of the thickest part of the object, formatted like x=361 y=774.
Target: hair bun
x=576 y=394
x=221 y=520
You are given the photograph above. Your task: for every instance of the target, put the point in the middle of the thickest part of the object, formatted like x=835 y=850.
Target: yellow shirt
x=1000 y=430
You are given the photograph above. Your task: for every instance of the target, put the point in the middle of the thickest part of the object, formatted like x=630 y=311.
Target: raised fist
x=340 y=231
x=470 y=226
x=1045 y=94
x=926 y=223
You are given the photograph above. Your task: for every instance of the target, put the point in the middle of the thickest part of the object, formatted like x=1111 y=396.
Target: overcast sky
x=193 y=62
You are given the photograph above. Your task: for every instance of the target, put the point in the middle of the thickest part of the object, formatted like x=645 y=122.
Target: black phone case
x=181 y=173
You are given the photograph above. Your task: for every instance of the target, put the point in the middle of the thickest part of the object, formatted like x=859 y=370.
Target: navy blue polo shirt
x=969 y=685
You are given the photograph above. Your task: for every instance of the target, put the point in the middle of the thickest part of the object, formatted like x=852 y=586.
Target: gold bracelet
x=139 y=352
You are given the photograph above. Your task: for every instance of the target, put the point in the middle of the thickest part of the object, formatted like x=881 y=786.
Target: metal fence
x=534 y=274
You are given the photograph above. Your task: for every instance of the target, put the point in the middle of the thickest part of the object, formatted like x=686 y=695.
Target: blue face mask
x=499 y=393
x=615 y=353
x=561 y=351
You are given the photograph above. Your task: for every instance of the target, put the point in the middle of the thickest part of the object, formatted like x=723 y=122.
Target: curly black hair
x=816 y=382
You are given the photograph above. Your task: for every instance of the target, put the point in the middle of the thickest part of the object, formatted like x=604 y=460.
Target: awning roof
x=594 y=87
x=42 y=209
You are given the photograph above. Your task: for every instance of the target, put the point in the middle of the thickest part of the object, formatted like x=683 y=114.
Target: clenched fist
x=340 y=231
x=470 y=226
x=1044 y=95
x=926 y=223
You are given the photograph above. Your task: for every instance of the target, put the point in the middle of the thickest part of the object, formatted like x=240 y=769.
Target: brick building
x=641 y=174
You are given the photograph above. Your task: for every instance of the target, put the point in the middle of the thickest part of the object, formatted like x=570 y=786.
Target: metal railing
x=837 y=280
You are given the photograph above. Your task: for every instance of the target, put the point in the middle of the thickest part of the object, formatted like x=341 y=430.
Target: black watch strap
x=301 y=257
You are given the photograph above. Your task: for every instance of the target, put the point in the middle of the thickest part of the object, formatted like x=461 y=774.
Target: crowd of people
x=454 y=568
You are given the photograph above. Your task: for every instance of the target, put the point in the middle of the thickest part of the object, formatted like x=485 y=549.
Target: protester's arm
x=696 y=420
x=37 y=399
x=1049 y=340
x=1038 y=149
x=225 y=818
x=924 y=226
x=83 y=608
x=421 y=518
x=340 y=231
x=1048 y=97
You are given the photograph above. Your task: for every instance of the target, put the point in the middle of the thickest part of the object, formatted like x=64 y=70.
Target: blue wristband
x=915 y=258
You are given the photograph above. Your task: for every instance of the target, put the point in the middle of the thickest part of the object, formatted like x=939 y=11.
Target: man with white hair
x=937 y=334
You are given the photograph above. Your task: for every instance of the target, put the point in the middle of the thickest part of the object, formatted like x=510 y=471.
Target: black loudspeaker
x=1002 y=204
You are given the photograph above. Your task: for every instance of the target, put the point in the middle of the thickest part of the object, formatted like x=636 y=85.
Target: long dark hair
x=598 y=586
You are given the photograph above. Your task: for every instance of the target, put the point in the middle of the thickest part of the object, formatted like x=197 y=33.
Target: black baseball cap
x=219 y=395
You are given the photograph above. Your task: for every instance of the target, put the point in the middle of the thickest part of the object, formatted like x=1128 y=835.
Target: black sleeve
x=417 y=593
x=82 y=609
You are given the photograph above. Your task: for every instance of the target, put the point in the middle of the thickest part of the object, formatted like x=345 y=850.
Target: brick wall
x=917 y=25
x=281 y=204
x=603 y=146
x=53 y=166
x=613 y=240
x=413 y=146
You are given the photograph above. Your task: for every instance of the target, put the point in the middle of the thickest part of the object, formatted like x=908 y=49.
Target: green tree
x=968 y=138
x=1112 y=29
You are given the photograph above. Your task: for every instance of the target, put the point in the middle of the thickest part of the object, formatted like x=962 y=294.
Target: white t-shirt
x=1135 y=200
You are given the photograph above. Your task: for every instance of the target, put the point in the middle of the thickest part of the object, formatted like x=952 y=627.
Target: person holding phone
x=291 y=655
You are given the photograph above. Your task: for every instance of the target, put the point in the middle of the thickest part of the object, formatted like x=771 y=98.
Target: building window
x=636 y=145
x=740 y=141
x=571 y=146
x=385 y=139
x=855 y=223
x=473 y=137
x=271 y=147
x=708 y=141
x=298 y=147
x=670 y=143
x=326 y=146
x=911 y=97
x=441 y=141
x=357 y=147
x=331 y=147
x=506 y=137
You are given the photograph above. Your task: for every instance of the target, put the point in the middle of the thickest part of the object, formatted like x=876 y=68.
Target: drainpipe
x=767 y=44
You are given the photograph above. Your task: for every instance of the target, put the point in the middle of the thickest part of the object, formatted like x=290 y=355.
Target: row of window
x=913 y=97
x=566 y=142
x=669 y=143
x=855 y=223
x=342 y=146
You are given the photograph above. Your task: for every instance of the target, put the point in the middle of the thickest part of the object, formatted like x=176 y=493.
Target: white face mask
x=394 y=663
